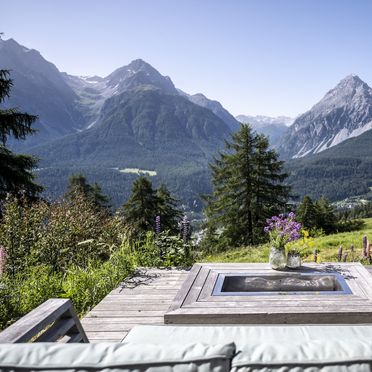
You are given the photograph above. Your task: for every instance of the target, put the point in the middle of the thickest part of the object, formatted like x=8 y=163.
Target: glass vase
x=277 y=258
x=293 y=261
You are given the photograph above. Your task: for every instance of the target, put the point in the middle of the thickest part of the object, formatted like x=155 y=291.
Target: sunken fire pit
x=255 y=294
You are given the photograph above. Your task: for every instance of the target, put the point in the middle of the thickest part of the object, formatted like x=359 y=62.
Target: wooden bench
x=54 y=320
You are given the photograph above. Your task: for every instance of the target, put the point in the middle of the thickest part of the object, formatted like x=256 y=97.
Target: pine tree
x=247 y=189
x=79 y=185
x=15 y=169
x=307 y=214
x=270 y=194
x=141 y=209
x=169 y=214
x=325 y=217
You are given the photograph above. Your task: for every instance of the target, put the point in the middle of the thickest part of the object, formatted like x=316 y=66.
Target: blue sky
x=270 y=57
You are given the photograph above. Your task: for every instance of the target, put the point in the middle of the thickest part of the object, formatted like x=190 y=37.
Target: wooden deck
x=142 y=299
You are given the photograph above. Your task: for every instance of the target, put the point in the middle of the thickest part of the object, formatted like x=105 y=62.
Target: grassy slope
x=327 y=247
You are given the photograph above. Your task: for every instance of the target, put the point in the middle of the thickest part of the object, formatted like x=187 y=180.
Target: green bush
x=350 y=225
x=37 y=285
x=22 y=293
x=20 y=231
x=88 y=286
x=163 y=250
x=8 y=311
x=72 y=249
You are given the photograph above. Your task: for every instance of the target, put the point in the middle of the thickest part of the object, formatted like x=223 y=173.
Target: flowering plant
x=283 y=230
x=305 y=242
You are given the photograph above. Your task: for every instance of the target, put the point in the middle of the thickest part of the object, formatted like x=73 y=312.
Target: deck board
x=142 y=299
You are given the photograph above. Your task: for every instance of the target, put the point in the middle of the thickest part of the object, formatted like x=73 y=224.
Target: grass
x=327 y=247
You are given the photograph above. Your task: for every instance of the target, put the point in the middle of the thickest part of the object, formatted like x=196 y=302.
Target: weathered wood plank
x=124 y=307
x=56 y=331
x=198 y=283
x=122 y=320
x=54 y=310
x=114 y=327
x=130 y=313
x=107 y=335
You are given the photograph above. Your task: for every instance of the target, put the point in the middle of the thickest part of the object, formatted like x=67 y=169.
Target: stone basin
x=287 y=284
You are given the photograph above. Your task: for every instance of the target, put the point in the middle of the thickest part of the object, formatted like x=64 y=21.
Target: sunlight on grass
x=138 y=171
x=327 y=247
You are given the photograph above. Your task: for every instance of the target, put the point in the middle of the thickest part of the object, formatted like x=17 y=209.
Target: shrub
x=71 y=234
x=19 y=230
x=163 y=250
x=88 y=286
x=36 y=285
x=23 y=292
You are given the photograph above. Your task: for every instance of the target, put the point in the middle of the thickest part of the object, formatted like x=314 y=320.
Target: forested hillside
x=340 y=172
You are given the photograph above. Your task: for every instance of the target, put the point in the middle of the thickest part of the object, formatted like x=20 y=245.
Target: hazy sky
x=271 y=57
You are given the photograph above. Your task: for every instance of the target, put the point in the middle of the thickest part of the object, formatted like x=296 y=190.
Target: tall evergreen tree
x=169 y=214
x=247 y=188
x=325 y=217
x=141 y=209
x=15 y=169
x=78 y=184
x=307 y=214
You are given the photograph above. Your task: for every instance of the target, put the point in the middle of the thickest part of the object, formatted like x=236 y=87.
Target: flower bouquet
x=281 y=230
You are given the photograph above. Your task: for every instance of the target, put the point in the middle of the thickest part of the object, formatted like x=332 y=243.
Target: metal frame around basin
x=217 y=290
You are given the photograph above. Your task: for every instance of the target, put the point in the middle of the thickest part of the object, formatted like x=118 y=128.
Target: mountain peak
x=139 y=73
x=344 y=112
x=350 y=81
x=138 y=64
x=353 y=78
x=349 y=89
x=13 y=45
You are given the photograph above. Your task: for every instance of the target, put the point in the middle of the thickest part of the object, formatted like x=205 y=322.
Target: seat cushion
x=276 y=348
x=116 y=357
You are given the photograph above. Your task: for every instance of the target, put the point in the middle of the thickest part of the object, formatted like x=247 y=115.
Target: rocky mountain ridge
x=343 y=113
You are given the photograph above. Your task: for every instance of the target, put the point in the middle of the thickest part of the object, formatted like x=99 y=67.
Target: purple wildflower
x=185 y=229
x=315 y=256
x=345 y=257
x=157 y=225
x=339 y=254
x=2 y=259
x=283 y=229
x=365 y=242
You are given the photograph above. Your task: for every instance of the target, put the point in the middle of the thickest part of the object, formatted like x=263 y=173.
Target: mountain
x=215 y=106
x=39 y=88
x=272 y=127
x=93 y=91
x=142 y=128
x=344 y=112
x=113 y=128
x=342 y=171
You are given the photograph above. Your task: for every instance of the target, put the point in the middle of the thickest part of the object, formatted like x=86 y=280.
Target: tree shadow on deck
x=142 y=276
